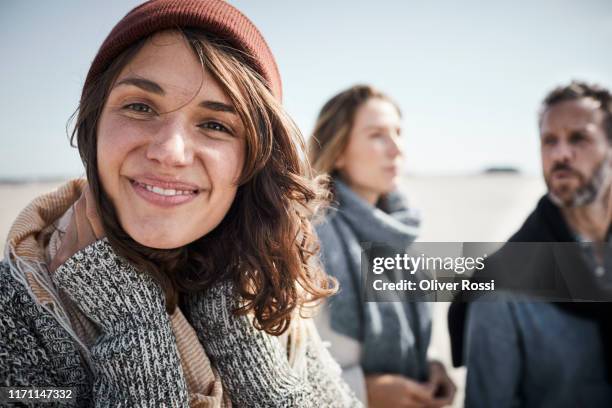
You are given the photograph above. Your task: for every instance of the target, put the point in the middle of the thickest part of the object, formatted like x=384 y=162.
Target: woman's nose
x=393 y=146
x=171 y=146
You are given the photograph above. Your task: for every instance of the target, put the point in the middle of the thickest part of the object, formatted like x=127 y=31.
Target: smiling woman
x=172 y=144
x=176 y=273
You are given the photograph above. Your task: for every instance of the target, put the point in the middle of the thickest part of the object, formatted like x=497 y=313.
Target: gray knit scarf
x=394 y=335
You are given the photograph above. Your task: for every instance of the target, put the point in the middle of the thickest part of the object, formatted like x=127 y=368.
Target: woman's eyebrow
x=150 y=86
x=217 y=106
x=143 y=84
x=377 y=127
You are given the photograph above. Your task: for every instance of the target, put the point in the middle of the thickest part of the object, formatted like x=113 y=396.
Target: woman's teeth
x=166 y=192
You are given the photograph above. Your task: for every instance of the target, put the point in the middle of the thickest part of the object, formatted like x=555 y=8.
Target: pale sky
x=468 y=75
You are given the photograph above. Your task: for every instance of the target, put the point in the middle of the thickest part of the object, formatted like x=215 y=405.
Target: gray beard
x=586 y=194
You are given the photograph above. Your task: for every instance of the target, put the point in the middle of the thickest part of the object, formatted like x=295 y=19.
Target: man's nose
x=562 y=152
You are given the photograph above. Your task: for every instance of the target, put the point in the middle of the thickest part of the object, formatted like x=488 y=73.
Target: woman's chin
x=388 y=187
x=159 y=239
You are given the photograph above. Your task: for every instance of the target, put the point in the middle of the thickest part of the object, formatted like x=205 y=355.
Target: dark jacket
x=544 y=225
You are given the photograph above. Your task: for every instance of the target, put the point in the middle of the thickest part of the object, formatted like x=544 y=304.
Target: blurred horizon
x=486 y=172
x=468 y=77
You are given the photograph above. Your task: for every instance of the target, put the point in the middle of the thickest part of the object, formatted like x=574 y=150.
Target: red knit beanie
x=214 y=16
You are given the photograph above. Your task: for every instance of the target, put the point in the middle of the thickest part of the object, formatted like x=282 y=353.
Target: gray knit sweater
x=135 y=361
x=254 y=368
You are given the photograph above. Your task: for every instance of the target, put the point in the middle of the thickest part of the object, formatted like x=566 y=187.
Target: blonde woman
x=382 y=347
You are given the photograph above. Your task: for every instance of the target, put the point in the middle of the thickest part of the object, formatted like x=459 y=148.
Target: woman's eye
x=216 y=126
x=139 y=107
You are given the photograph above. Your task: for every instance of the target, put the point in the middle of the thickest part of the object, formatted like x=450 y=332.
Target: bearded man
x=544 y=354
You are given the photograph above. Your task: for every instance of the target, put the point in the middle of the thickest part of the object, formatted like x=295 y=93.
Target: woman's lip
x=392 y=170
x=162 y=200
x=165 y=183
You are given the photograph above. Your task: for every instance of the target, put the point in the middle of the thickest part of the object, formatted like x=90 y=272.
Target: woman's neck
x=366 y=194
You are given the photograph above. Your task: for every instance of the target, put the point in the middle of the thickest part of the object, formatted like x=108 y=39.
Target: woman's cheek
x=123 y=129
x=117 y=139
x=228 y=162
x=108 y=152
x=113 y=134
x=379 y=145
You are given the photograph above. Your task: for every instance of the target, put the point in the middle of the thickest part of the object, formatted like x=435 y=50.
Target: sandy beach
x=453 y=209
x=484 y=208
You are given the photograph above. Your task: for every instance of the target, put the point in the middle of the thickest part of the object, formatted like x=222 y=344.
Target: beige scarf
x=33 y=240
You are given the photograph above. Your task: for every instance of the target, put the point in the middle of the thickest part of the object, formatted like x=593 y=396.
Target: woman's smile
x=165 y=194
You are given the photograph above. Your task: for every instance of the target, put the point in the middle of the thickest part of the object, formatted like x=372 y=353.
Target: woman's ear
x=340 y=162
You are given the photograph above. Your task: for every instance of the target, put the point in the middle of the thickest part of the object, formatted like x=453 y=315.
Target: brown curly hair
x=266 y=243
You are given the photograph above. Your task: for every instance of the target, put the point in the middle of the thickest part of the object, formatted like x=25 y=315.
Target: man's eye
x=216 y=126
x=139 y=107
x=577 y=137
